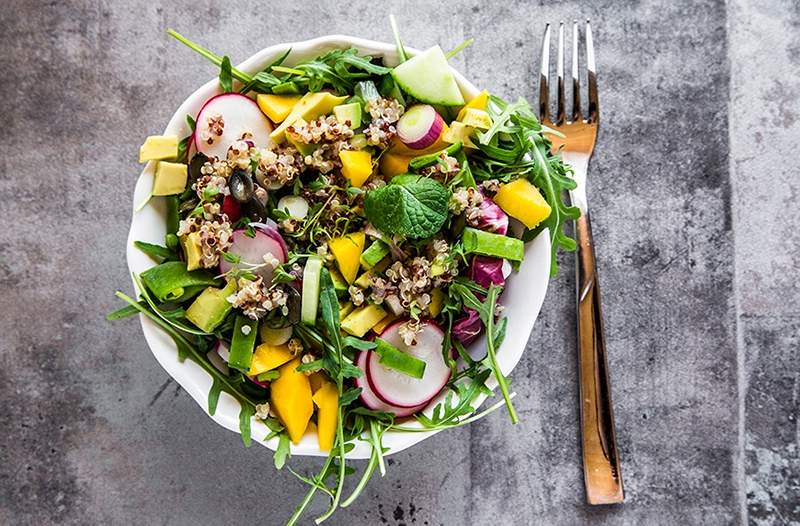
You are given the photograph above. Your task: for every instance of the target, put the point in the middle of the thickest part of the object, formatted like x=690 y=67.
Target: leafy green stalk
x=455 y=423
x=459 y=48
x=315 y=483
x=401 y=51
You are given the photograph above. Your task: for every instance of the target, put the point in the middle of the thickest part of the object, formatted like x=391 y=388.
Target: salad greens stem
x=459 y=48
x=476 y=416
x=491 y=300
x=298 y=511
x=216 y=59
x=401 y=51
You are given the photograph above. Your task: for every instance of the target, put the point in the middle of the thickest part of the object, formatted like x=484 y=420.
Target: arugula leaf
x=245 y=414
x=157 y=252
x=515 y=146
x=283 y=451
x=410 y=206
x=213 y=396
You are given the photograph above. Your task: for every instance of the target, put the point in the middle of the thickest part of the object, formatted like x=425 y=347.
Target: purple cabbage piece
x=492 y=218
x=467 y=327
x=485 y=271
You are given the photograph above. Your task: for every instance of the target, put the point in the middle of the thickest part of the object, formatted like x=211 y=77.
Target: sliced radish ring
x=271 y=229
x=420 y=126
x=251 y=252
x=400 y=390
x=371 y=400
x=225 y=119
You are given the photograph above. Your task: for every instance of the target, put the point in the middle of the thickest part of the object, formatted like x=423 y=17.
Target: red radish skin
x=368 y=397
x=420 y=126
x=272 y=231
x=401 y=390
x=240 y=115
x=258 y=382
x=231 y=208
x=251 y=250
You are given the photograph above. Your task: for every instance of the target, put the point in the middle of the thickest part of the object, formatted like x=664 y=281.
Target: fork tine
x=544 y=76
x=592 y=76
x=560 y=112
x=576 y=83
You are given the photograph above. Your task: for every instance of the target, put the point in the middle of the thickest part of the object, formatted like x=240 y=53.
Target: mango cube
x=394 y=164
x=523 y=201
x=290 y=398
x=347 y=251
x=363 y=319
x=385 y=322
x=326 y=398
x=170 y=178
x=267 y=357
x=478 y=103
x=356 y=166
x=276 y=107
x=158 y=148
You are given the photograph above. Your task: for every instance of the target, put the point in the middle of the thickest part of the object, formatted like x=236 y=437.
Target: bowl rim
x=145 y=225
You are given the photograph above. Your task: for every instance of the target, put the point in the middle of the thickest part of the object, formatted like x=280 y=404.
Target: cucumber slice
x=427 y=77
x=310 y=299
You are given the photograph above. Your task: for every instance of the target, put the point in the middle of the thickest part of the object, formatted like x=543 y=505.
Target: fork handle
x=600 y=457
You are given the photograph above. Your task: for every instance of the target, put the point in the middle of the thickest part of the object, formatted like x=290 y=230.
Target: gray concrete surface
x=694 y=189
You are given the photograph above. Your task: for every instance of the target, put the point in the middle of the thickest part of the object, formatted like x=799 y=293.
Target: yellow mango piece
x=327 y=402
x=276 y=107
x=363 y=319
x=399 y=148
x=267 y=357
x=158 y=148
x=347 y=251
x=192 y=249
x=310 y=106
x=394 y=164
x=290 y=398
x=170 y=178
x=437 y=302
x=356 y=166
x=523 y=201
x=385 y=322
x=478 y=103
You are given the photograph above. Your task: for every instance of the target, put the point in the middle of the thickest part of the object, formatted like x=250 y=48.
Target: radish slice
x=223 y=350
x=251 y=251
x=420 y=126
x=271 y=229
x=225 y=119
x=219 y=358
x=401 y=390
x=371 y=400
x=258 y=382
x=294 y=205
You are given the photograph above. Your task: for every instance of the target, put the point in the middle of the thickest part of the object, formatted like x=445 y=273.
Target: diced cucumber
x=428 y=160
x=428 y=78
x=310 y=298
x=394 y=358
x=373 y=254
x=243 y=342
x=269 y=376
x=495 y=245
x=350 y=112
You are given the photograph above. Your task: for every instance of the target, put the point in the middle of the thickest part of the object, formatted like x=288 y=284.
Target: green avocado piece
x=348 y=113
x=211 y=307
x=339 y=283
x=374 y=254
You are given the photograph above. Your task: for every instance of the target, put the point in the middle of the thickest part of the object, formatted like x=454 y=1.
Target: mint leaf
x=410 y=205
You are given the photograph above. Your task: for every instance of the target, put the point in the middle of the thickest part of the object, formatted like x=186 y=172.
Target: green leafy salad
x=338 y=233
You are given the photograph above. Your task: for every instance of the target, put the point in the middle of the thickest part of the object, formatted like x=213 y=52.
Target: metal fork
x=600 y=456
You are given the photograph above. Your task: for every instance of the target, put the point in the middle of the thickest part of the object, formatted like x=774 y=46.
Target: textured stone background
x=694 y=189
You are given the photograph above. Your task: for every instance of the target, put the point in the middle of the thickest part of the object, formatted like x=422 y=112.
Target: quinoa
x=279 y=166
x=464 y=199
x=295 y=346
x=320 y=130
x=356 y=295
x=256 y=299
x=384 y=113
x=216 y=233
x=445 y=167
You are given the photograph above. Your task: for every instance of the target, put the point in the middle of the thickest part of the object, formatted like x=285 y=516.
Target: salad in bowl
x=324 y=248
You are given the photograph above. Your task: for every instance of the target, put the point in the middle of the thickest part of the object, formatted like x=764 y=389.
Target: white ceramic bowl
x=522 y=298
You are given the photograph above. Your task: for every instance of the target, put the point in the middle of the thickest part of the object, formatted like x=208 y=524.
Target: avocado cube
x=345 y=308
x=348 y=113
x=170 y=178
x=192 y=250
x=339 y=283
x=361 y=320
x=158 y=148
x=373 y=254
x=211 y=307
